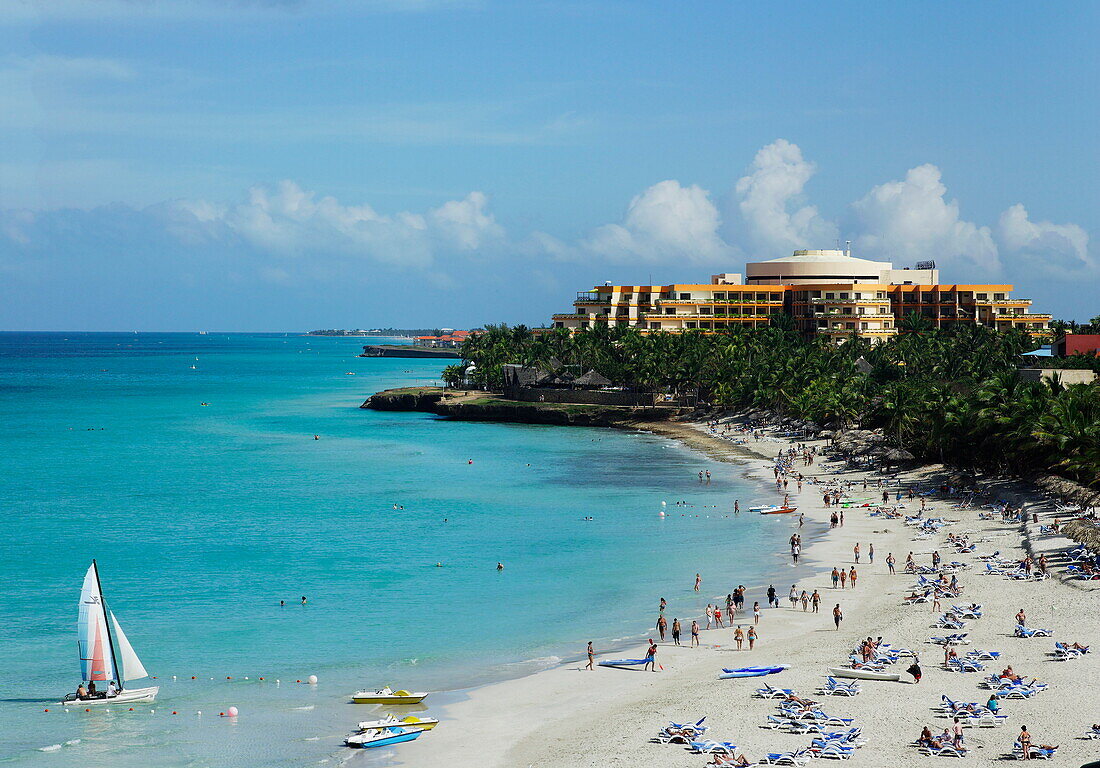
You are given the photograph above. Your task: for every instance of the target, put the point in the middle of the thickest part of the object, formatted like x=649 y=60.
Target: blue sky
x=250 y=165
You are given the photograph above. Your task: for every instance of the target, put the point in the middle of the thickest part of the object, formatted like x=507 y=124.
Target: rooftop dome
x=832 y=256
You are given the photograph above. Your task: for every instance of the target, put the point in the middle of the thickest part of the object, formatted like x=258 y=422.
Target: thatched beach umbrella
x=898 y=455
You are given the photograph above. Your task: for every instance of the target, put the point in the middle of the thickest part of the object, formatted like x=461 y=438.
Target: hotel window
x=830 y=295
x=850 y=326
x=655 y=326
x=863 y=326
x=998 y=297
x=886 y=324
x=776 y=296
x=704 y=310
x=685 y=297
x=846 y=311
x=880 y=295
x=883 y=310
x=689 y=324
x=559 y=325
x=982 y=296
x=719 y=297
x=670 y=310
x=844 y=295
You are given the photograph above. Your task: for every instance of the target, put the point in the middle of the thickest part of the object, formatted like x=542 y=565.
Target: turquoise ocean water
x=203 y=517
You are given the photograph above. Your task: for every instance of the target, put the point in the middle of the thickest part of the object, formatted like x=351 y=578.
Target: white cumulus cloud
x=767 y=195
x=287 y=220
x=903 y=221
x=1060 y=248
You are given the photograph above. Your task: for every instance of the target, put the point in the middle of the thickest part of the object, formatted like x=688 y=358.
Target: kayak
x=728 y=674
x=622 y=662
x=864 y=674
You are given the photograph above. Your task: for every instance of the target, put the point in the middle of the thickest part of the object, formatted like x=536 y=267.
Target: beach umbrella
x=898 y=455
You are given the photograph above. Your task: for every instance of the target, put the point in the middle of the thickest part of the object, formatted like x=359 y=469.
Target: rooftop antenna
x=848 y=248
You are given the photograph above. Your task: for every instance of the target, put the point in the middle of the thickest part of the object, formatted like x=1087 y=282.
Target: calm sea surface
x=203 y=518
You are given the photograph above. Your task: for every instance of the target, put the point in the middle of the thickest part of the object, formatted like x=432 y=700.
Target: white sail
x=97 y=662
x=132 y=668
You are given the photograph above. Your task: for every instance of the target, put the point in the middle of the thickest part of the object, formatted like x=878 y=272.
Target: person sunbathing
x=1008 y=674
x=1077 y=647
x=925 y=739
x=724 y=760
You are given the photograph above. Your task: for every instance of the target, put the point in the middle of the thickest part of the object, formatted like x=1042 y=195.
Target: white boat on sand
x=864 y=674
x=106 y=656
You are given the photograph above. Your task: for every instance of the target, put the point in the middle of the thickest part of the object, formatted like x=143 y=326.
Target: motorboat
x=383 y=737
x=772 y=509
x=106 y=656
x=751 y=671
x=388 y=696
x=411 y=721
x=864 y=674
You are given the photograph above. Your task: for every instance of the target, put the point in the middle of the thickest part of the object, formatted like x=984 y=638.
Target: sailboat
x=106 y=656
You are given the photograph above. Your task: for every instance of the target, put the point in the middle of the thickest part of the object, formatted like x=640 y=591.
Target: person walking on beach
x=736 y=506
x=718 y=618
x=710 y=614
x=662 y=624
x=838 y=615
x=914 y=670
x=650 y=657
x=1025 y=742
x=815 y=600
x=694 y=633
x=756 y=613
x=1021 y=618
x=662 y=606
x=871 y=554
x=591 y=657
x=752 y=637
x=793 y=595
x=843 y=577
x=729 y=607
x=739 y=637
x=836 y=577
x=676 y=631
x=852 y=577
x=698 y=581
x=855 y=551
x=773 y=599
x=957 y=733
x=805 y=598
x=890 y=561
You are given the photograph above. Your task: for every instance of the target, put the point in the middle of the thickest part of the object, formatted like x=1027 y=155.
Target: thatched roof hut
x=592 y=380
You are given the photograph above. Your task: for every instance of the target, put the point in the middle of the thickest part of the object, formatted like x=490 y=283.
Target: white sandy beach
x=570 y=717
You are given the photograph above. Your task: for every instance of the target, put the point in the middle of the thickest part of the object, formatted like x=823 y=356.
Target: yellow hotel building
x=827 y=292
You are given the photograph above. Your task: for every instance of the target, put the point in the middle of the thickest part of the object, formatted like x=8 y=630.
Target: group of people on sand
x=844 y=578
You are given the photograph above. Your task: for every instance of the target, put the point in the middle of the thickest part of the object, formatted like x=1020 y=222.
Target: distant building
x=451 y=339
x=827 y=292
x=1076 y=344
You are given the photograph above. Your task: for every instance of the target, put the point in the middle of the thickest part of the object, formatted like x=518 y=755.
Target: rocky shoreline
x=485 y=406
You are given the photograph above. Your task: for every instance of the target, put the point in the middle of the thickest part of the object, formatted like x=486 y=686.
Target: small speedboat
x=622 y=662
x=383 y=737
x=864 y=674
x=728 y=674
x=772 y=509
x=388 y=696
x=412 y=721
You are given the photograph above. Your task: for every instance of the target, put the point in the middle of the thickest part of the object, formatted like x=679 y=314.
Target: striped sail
x=97 y=661
x=130 y=664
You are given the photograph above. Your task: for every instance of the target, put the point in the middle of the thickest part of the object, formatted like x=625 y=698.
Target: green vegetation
x=949 y=395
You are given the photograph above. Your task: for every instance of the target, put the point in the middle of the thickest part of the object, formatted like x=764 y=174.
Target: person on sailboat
x=91 y=689
x=81 y=692
x=112 y=689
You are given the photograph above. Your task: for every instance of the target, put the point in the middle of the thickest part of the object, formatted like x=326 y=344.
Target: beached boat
x=388 y=696
x=728 y=674
x=622 y=662
x=383 y=737
x=412 y=721
x=864 y=674
x=772 y=509
x=106 y=656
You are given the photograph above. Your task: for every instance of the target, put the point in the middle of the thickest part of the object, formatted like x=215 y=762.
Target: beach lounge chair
x=771 y=692
x=1062 y=652
x=964 y=665
x=1093 y=733
x=1035 y=752
x=982 y=655
x=708 y=747
x=799 y=757
x=985 y=719
x=1022 y=631
x=947 y=750
x=967 y=612
x=835 y=752
x=955 y=639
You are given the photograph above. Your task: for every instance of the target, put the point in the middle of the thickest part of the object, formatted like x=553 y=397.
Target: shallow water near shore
x=203 y=518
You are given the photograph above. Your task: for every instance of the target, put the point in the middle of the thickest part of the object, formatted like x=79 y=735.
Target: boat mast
x=107 y=621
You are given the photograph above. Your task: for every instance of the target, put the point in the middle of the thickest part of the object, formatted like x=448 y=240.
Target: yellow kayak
x=388 y=696
x=411 y=721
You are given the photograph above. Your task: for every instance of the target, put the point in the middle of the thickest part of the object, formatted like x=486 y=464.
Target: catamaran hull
x=126 y=696
x=864 y=674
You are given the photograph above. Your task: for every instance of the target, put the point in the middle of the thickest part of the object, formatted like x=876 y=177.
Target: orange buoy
x=47 y=709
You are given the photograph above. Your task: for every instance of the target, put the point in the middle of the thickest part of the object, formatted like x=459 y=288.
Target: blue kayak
x=750 y=672
x=622 y=662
